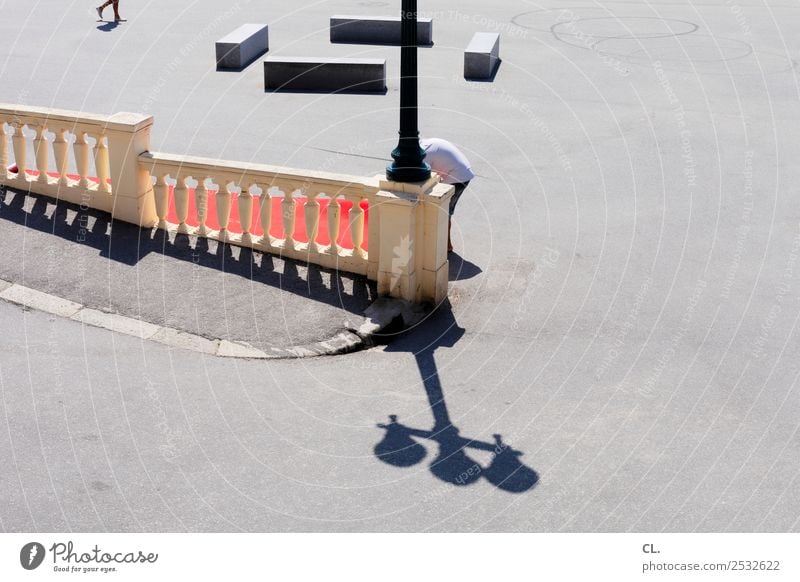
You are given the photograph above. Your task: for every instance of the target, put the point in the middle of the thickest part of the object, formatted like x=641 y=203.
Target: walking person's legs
x=105 y=5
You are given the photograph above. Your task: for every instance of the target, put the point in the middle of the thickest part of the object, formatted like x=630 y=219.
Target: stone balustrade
x=200 y=195
x=395 y=234
x=78 y=157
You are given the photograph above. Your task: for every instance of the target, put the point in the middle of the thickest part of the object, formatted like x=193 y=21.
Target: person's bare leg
x=103 y=7
x=449 y=244
x=116 y=11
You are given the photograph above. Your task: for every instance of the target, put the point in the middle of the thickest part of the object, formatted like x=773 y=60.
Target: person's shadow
x=400 y=446
x=460 y=268
x=108 y=26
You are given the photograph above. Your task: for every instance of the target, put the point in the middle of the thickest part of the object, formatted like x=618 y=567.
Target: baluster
x=181 y=193
x=334 y=218
x=311 y=213
x=81 y=148
x=20 y=152
x=3 y=150
x=61 y=151
x=201 y=206
x=356 y=221
x=161 y=193
x=223 y=209
x=288 y=210
x=246 y=214
x=40 y=147
x=265 y=211
x=101 y=163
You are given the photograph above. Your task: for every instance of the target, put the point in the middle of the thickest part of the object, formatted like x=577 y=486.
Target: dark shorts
x=457 y=195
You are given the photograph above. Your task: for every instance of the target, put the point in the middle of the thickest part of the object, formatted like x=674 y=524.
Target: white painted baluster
x=61 y=151
x=246 y=214
x=81 y=148
x=181 y=193
x=311 y=214
x=3 y=150
x=334 y=218
x=223 y=209
x=201 y=206
x=356 y=221
x=101 y=163
x=40 y=146
x=20 y=152
x=265 y=210
x=287 y=210
x=161 y=194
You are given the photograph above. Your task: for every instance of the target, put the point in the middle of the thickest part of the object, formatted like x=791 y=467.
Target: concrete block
x=325 y=74
x=482 y=55
x=242 y=46
x=356 y=29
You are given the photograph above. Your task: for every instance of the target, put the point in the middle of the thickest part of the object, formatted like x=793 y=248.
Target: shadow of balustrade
x=128 y=244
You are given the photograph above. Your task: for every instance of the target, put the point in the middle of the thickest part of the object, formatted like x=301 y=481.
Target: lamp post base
x=397 y=173
x=409 y=161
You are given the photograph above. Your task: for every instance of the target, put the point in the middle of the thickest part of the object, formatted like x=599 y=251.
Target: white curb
x=27 y=297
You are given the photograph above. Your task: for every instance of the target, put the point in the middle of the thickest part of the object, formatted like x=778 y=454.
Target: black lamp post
x=409 y=164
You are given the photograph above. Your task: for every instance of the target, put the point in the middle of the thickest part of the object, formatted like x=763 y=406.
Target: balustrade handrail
x=259 y=173
x=29 y=115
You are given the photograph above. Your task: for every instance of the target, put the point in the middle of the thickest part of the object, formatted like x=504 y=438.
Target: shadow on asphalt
x=460 y=268
x=400 y=446
x=129 y=244
x=490 y=78
x=108 y=26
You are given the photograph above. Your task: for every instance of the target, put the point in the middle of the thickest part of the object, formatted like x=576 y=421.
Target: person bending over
x=453 y=168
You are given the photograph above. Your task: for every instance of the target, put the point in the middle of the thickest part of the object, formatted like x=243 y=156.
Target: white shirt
x=447 y=160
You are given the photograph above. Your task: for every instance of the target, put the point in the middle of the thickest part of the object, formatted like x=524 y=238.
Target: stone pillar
x=434 y=264
x=397 y=263
x=413 y=240
x=128 y=136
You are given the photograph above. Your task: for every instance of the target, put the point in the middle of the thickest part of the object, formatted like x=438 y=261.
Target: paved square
x=624 y=307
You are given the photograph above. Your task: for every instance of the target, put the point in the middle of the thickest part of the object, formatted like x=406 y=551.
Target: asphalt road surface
x=624 y=316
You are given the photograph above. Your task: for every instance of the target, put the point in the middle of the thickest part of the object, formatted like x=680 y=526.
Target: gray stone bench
x=376 y=30
x=243 y=46
x=482 y=55
x=325 y=74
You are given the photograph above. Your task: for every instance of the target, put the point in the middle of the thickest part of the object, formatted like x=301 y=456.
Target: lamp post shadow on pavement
x=400 y=446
